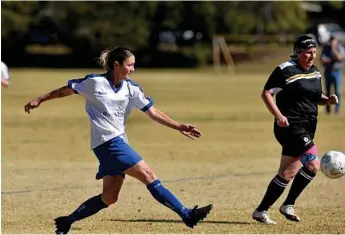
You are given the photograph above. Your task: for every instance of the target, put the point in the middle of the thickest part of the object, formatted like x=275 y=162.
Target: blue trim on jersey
x=78 y=80
x=114 y=88
x=148 y=106
x=112 y=85
x=135 y=84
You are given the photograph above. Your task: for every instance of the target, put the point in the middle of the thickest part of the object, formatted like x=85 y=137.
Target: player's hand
x=282 y=121
x=333 y=99
x=32 y=105
x=190 y=131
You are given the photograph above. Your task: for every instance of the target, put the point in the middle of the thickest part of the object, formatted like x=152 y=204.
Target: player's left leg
x=311 y=164
x=288 y=168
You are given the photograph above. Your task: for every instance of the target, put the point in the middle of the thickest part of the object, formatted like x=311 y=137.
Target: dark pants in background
x=333 y=77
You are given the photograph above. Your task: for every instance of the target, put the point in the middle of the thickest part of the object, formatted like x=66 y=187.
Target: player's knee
x=314 y=165
x=288 y=171
x=287 y=175
x=149 y=175
x=110 y=196
x=110 y=199
x=311 y=161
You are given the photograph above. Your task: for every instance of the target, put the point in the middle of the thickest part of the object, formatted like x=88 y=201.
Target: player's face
x=307 y=57
x=127 y=67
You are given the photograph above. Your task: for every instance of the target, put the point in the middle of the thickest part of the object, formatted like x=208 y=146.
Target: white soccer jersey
x=107 y=106
x=4 y=71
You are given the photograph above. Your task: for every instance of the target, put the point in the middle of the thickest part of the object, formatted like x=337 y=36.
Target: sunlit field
x=48 y=169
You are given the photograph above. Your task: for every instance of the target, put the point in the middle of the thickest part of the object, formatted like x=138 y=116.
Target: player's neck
x=115 y=79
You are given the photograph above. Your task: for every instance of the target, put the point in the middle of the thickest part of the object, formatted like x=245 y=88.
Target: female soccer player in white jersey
x=109 y=98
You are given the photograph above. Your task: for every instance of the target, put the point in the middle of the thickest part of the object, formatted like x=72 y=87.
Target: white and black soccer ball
x=333 y=164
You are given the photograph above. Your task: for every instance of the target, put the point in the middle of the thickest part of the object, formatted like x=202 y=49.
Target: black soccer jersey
x=297 y=91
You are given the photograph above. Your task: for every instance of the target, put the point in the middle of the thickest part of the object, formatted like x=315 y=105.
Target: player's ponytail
x=103 y=59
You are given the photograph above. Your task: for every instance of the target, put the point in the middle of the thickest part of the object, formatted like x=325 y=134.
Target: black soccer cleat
x=62 y=225
x=196 y=215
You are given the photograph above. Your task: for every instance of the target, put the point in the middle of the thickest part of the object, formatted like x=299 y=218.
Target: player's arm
x=333 y=99
x=160 y=117
x=57 y=93
x=267 y=97
x=274 y=85
x=4 y=83
x=271 y=88
x=5 y=77
x=325 y=100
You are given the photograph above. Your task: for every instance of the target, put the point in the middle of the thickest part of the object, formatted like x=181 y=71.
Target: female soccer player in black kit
x=297 y=86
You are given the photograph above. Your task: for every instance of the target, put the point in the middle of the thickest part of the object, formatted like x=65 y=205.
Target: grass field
x=48 y=169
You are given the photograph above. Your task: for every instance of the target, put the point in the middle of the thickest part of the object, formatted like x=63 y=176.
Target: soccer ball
x=333 y=164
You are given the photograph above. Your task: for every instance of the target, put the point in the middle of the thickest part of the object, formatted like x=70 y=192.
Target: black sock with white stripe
x=274 y=191
x=302 y=179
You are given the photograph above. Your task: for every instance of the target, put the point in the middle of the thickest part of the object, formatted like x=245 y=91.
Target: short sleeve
x=4 y=71
x=81 y=85
x=276 y=81
x=139 y=100
x=320 y=79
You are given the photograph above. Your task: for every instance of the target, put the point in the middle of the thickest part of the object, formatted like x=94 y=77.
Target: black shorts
x=297 y=138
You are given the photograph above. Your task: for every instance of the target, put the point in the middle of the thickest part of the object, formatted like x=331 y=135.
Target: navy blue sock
x=165 y=197
x=89 y=207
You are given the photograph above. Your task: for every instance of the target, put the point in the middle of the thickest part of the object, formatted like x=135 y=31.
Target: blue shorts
x=115 y=156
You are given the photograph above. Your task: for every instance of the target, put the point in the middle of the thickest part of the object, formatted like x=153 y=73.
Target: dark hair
x=303 y=43
x=119 y=54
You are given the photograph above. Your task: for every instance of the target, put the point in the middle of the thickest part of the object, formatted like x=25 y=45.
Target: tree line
x=93 y=25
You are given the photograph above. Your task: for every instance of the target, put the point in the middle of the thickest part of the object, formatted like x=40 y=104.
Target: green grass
x=48 y=169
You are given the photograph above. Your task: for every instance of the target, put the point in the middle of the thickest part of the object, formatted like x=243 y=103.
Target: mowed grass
x=48 y=169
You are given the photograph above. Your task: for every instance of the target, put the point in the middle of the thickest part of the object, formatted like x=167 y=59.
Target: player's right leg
x=111 y=189
x=110 y=156
x=289 y=167
x=144 y=173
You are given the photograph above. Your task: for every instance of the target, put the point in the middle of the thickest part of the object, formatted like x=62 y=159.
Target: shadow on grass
x=176 y=221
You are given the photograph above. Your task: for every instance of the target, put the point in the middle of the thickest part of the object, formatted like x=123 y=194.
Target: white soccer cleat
x=289 y=212
x=262 y=217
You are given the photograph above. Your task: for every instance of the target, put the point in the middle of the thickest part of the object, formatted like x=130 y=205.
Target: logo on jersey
x=115 y=114
x=306 y=140
x=100 y=93
x=106 y=114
